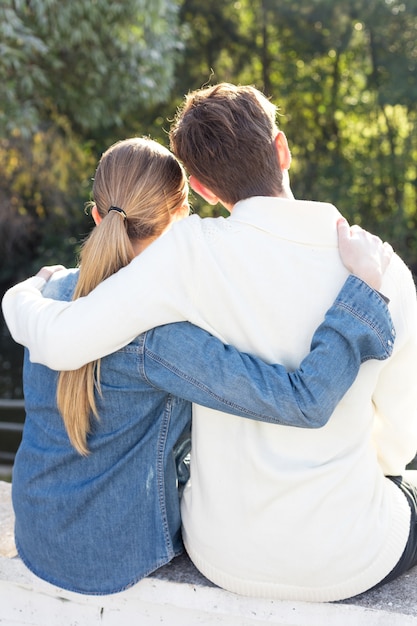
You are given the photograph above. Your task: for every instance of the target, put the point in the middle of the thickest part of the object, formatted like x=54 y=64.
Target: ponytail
x=138 y=187
x=76 y=389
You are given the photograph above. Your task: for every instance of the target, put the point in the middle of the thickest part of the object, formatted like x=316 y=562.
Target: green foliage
x=83 y=74
x=42 y=212
x=90 y=61
x=71 y=73
x=352 y=116
x=343 y=73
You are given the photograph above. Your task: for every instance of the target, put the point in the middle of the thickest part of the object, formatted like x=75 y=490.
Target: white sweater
x=270 y=511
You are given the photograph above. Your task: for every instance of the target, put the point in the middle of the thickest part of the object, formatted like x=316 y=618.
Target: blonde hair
x=145 y=181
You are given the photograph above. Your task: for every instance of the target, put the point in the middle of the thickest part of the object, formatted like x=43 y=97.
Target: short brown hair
x=224 y=135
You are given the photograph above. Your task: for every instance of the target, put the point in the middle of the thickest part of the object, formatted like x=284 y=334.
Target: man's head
x=227 y=138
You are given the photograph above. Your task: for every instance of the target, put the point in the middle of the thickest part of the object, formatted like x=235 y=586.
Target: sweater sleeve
x=153 y=289
x=395 y=394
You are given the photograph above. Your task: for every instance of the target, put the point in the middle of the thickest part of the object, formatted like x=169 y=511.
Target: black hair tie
x=120 y=211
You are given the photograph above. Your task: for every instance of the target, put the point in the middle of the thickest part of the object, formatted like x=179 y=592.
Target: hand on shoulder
x=363 y=254
x=47 y=271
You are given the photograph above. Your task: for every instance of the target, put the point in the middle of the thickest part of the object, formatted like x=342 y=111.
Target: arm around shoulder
x=146 y=293
x=189 y=362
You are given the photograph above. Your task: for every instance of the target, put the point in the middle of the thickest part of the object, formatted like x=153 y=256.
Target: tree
x=92 y=62
x=345 y=76
x=70 y=74
x=45 y=184
x=343 y=73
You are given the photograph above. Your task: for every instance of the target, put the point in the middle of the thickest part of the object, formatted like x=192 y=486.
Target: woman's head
x=147 y=184
x=145 y=180
x=148 y=188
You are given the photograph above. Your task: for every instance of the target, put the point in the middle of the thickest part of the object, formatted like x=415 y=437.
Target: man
x=270 y=512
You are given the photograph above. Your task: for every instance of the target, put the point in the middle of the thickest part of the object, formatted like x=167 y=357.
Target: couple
x=320 y=512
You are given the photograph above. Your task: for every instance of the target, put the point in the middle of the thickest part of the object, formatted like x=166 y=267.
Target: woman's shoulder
x=61 y=285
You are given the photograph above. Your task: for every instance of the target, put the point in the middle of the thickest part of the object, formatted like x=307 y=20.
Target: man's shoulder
x=195 y=222
x=399 y=271
x=399 y=286
x=195 y=228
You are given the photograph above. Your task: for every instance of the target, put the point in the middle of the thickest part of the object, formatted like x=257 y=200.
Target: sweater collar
x=296 y=220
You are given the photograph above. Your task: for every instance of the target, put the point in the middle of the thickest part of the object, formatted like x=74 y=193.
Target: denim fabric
x=100 y=523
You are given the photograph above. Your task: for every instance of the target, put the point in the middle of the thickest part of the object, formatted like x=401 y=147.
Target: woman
x=95 y=480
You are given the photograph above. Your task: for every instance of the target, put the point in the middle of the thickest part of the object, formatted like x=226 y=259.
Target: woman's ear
x=181 y=212
x=203 y=191
x=96 y=215
x=283 y=151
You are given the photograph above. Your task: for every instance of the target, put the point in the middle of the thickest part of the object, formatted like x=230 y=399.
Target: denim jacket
x=100 y=523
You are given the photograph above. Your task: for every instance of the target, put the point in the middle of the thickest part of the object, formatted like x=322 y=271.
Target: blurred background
x=75 y=77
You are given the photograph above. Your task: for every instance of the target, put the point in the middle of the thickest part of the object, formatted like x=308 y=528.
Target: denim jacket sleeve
x=188 y=362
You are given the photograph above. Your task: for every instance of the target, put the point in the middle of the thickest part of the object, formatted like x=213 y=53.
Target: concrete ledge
x=178 y=595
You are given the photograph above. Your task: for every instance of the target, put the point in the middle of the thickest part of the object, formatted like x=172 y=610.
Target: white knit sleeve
x=395 y=395
x=154 y=289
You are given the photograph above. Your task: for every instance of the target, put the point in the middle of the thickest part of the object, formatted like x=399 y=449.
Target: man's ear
x=283 y=151
x=96 y=215
x=203 y=191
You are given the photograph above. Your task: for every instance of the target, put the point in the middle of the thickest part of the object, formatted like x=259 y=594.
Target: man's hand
x=47 y=271
x=363 y=254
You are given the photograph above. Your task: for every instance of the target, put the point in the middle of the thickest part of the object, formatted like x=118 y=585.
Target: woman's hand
x=363 y=254
x=47 y=271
